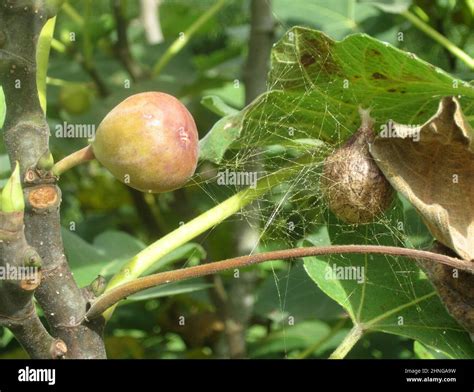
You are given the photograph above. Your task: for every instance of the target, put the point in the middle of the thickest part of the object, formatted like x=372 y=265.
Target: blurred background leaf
x=105 y=223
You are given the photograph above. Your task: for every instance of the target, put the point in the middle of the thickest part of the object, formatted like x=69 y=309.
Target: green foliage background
x=105 y=223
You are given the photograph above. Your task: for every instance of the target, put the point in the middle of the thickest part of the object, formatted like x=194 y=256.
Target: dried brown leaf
x=433 y=167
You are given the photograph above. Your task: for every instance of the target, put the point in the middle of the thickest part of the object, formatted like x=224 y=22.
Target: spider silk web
x=295 y=209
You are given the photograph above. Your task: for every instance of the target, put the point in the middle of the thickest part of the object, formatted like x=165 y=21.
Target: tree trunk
x=26 y=135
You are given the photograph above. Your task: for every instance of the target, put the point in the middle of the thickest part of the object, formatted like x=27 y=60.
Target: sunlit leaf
x=382 y=293
x=317 y=84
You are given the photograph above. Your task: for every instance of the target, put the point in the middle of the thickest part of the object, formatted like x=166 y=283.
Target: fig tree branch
x=348 y=343
x=26 y=134
x=17 y=311
x=150 y=255
x=262 y=32
x=236 y=307
x=21 y=275
x=34 y=338
x=122 y=47
x=118 y=293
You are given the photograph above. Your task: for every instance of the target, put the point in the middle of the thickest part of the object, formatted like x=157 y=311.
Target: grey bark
x=26 y=135
x=236 y=304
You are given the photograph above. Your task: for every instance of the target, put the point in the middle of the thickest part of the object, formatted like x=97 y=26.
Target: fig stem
x=118 y=293
x=76 y=158
x=149 y=256
x=348 y=343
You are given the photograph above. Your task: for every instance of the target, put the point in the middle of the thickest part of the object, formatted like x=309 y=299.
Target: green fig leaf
x=317 y=84
x=296 y=337
x=384 y=293
x=213 y=146
x=217 y=105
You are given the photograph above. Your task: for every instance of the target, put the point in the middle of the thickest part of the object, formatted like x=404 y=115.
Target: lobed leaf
x=316 y=85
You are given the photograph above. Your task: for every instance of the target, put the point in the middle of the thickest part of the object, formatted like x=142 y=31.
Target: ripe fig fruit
x=149 y=141
x=351 y=182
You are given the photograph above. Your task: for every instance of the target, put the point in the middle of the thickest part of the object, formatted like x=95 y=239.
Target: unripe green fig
x=352 y=184
x=75 y=98
x=149 y=141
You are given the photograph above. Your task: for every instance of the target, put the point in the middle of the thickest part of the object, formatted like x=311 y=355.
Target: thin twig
x=76 y=158
x=146 y=258
x=348 y=343
x=439 y=38
x=118 y=293
x=238 y=308
x=183 y=39
x=122 y=46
